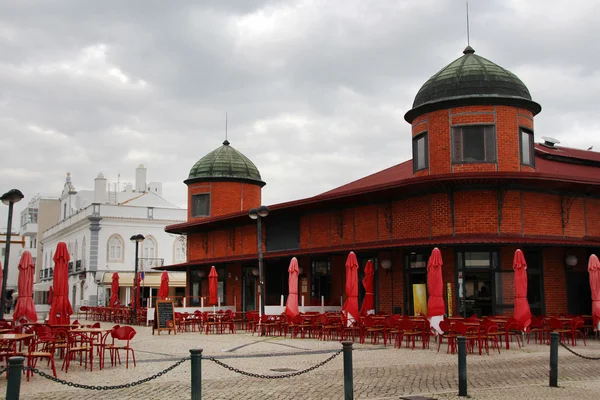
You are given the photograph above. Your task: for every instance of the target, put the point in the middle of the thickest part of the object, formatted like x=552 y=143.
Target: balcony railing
x=149 y=263
x=78 y=266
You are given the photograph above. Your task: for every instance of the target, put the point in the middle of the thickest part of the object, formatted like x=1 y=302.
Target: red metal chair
x=124 y=334
x=41 y=347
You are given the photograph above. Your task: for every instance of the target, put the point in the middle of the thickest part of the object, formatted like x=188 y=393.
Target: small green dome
x=225 y=164
x=471 y=80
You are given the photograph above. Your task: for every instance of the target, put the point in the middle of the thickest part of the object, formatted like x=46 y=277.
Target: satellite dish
x=550 y=142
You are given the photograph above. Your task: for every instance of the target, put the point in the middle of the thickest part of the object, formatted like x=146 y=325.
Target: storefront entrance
x=415 y=282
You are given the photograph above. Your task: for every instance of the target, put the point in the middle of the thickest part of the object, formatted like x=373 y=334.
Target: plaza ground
x=379 y=372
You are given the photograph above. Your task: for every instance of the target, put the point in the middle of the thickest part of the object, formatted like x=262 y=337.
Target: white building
x=97 y=226
x=17 y=246
x=41 y=213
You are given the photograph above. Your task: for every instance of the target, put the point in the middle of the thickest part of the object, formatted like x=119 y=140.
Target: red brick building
x=478 y=187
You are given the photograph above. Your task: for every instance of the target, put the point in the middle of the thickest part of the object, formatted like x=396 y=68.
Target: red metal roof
x=392 y=174
x=553 y=174
x=568 y=152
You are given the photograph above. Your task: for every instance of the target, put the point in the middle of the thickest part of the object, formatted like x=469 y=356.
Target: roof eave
x=472 y=100
x=257 y=182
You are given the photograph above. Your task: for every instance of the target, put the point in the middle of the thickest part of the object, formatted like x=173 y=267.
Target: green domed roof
x=471 y=80
x=225 y=164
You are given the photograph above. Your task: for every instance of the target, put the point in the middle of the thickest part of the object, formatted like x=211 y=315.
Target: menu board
x=164 y=317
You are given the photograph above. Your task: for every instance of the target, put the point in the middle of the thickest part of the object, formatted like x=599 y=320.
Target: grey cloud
x=315 y=90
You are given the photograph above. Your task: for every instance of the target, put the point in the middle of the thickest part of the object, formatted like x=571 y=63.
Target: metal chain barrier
x=253 y=375
x=114 y=387
x=577 y=354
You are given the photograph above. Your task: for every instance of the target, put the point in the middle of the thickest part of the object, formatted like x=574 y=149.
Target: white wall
x=16 y=249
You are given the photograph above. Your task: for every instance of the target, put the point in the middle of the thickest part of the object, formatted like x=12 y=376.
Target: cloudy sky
x=315 y=90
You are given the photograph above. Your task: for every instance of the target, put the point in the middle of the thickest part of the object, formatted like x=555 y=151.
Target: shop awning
x=151 y=279
x=42 y=286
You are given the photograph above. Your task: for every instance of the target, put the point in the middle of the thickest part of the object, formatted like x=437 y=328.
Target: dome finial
x=226 y=142
x=468 y=50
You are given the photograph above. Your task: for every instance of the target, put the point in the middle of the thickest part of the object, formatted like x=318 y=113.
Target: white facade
x=98 y=238
x=17 y=247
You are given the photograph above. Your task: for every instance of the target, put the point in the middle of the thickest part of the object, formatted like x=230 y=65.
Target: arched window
x=149 y=247
x=83 y=254
x=115 y=249
x=179 y=250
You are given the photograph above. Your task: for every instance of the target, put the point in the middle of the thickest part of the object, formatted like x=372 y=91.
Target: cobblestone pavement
x=379 y=372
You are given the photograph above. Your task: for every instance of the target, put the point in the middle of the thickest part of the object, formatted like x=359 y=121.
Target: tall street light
x=258 y=214
x=137 y=239
x=9 y=198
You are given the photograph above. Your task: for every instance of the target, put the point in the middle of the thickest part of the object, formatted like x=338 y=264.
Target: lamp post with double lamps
x=9 y=198
x=137 y=239
x=258 y=214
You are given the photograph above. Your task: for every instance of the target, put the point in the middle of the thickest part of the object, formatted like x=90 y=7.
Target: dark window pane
x=420 y=159
x=474 y=144
x=457 y=146
x=321 y=280
x=200 y=205
x=527 y=155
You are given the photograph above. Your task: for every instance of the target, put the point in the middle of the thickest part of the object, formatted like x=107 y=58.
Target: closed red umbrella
x=436 y=308
x=114 y=290
x=522 y=312
x=350 y=308
x=50 y=295
x=61 y=311
x=213 y=286
x=163 y=291
x=594 y=271
x=368 y=304
x=25 y=307
x=291 y=306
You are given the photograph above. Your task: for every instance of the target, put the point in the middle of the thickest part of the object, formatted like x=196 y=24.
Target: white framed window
x=115 y=249
x=179 y=255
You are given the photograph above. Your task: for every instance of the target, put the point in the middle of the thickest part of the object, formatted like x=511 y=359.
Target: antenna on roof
x=225 y=125
x=468 y=34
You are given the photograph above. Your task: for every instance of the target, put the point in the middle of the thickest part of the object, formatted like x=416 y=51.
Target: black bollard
x=15 y=370
x=196 y=374
x=348 y=380
x=554 y=359
x=462 y=366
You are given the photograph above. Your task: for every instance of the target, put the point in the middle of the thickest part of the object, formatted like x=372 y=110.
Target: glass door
x=415 y=286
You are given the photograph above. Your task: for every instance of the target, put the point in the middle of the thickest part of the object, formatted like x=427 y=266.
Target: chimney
x=140 y=179
x=100 y=189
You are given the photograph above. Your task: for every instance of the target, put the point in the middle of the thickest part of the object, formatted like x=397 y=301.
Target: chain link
x=577 y=354
x=261 y=376
x=114 y=387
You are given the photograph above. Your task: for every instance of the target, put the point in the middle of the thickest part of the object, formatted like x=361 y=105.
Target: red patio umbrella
x=436 y=308
x=522 y=311
x=60 y=312
x=163 y=291
x=291 y=306
x=50 y=295
x=350 y=308
x=213 y=286
x=368 y=304
x=25 y=307
x=114 y=290
x=594 y=271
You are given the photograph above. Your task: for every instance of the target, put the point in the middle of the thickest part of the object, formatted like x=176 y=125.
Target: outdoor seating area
x=65 y=345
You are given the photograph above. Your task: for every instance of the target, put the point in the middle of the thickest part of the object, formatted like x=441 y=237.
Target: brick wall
x=438 y=124
x=226 y=197
x=555 y=291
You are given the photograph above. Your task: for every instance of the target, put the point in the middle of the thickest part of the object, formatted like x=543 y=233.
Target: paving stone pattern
x=379 y=373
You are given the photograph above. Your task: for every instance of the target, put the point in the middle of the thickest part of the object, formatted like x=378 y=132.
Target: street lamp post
x=9 y=198
x=258 y=214
x=137 y=239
